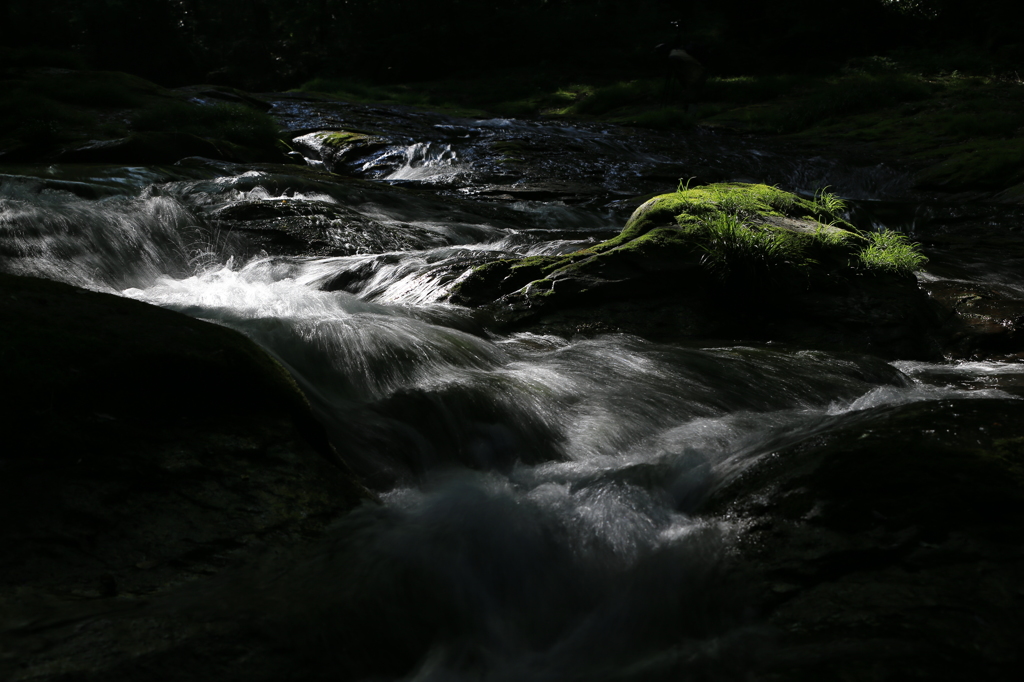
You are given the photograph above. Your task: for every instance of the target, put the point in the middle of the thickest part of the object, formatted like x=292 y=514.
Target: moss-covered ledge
x=724 y=260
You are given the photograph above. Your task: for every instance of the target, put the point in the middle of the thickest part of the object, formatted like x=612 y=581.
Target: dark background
x=267 y=44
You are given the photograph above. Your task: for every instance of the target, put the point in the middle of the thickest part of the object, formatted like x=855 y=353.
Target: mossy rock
x=765 y=228
x=338 y=147
x=738 y=260
x=144 y=447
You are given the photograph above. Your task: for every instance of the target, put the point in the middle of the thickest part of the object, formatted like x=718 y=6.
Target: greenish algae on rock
x=144 y=448
x=336 y=147
x=724 y=260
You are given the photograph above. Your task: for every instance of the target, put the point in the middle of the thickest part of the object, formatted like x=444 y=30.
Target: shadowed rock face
x=891 y=545
x=143 y=448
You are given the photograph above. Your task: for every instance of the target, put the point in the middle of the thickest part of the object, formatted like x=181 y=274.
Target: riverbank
x=960 y=133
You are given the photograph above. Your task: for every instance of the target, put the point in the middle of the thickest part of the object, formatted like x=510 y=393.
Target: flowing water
x=542 y=493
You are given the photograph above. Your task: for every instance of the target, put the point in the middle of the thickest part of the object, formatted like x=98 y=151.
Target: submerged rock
x=724 y=261
x=144 y=448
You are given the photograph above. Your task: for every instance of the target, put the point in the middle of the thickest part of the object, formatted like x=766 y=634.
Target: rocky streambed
x=436 y=398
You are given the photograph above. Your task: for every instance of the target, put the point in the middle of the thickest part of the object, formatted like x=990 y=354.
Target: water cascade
x=549 y=508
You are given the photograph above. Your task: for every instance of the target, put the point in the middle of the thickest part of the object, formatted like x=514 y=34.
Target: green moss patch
x=824 y=101
x=965 y=135
x=740 y=234
x=341 y=138
x=742 y=229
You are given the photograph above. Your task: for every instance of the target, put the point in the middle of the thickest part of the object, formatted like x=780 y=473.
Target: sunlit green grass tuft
x=731 y=245
x=892 y=252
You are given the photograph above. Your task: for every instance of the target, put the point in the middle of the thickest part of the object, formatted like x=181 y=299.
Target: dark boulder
x=143 y=448
x=889 y=543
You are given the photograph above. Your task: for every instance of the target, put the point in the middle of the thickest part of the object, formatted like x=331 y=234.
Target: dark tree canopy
x=276 y=43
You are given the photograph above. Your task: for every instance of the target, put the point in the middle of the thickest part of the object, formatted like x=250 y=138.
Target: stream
x=544 y=499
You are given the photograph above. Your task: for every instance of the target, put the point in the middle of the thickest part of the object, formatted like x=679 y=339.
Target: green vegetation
x=736 y=227
x=503 y=92
x=50 y=107
x=755 y=230
x=27 y=117
x=729 y=245
x=830 y=203
x=905 y=107
x=892 y=252
x=353 y=90
x=697 y=208
x=341 y=138
x=733 y=225
x=821 y=101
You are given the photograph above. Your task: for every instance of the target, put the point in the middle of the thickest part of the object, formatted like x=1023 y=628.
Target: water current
x=542 y=494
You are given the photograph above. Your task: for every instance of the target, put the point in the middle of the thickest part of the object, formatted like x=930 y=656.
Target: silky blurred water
x=541 y=495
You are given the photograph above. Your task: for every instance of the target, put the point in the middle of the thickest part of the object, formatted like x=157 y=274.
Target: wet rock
x=889 y=545
x=144 y=448
x=337 y=149
x=1012 y=195
x=718 y=262
x=984 y=321
x=566 y=192
x=309 y=227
